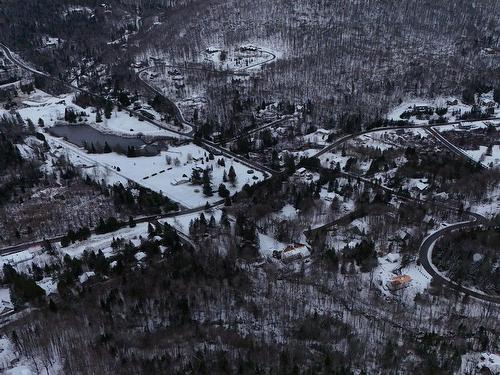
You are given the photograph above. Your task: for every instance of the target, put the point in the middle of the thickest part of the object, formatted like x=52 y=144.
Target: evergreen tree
x=224 y=220
x=223 y=191
x=207 y=185
x=195 y=176
x=108 y=109
x=98 y=116
x=131 y=222
x=232 y=176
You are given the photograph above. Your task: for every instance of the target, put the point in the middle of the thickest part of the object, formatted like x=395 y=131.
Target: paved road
x=258 y=129
x=446 y=143
x=235 y=72
x=265 y=170
x=212 y=146
x=140 y=219
x=426 y=247
x=450 y=146
x=425 y=254
x=8 y=53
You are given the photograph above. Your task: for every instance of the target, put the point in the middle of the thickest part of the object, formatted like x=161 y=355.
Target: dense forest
x=308 y=258
x=352 y=59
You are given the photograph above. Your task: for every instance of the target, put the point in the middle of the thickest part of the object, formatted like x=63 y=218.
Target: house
x=84 y=277
x=248 y=48
x=292 y=252
x=422 y=108
x=399 y=282
x=301 y=171
x=488 y=103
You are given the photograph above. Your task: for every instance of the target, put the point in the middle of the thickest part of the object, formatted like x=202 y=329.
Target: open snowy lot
x=155 y=173
x=455 y=108
x=49 y=108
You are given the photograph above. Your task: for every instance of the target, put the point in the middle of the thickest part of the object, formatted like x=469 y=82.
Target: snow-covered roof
x=295 y=250
x=140 y=256
x=85 y=276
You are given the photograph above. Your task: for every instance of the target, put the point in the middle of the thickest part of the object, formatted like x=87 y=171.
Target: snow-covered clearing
x=484 y=363
x=172 y=180
x=482 y=155
x=454 y=105
x=40 y=105
x=390 y=266
x=268 y=244
x=12 y=363
x=122 y=123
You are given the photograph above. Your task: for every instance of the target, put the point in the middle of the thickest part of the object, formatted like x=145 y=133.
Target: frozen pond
x=86 y=136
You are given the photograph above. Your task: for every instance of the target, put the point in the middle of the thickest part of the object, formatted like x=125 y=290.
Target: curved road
x=9 y=55
x=426 y=248
x=427 y=245
x=425 y=255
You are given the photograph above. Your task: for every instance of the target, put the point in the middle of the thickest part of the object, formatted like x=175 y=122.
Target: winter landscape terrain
x=249 y=187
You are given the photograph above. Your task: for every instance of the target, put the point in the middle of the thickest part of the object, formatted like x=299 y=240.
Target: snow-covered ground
x=236 y=59
x=13 y=363
x=318 y=137
x=23 y=261
x=472 y=363
x=390 y=266
x=122 y=123
x=454 y=105
x=481 y=154
x=49 y=108
x=171 y=180
x=268 y=244
x=40 y=105
x=151 y=172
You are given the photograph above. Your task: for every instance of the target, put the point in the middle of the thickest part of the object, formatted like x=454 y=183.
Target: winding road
x=426 y=248
x=427 y=245
x=425 y=256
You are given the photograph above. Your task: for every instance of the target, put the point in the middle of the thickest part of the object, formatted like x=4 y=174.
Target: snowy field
x=390 y=266
x=154 y=173
x=454 y=110
x=40 y=105
x=151 y=172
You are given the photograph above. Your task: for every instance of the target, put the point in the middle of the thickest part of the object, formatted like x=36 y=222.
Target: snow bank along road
x=427 y=245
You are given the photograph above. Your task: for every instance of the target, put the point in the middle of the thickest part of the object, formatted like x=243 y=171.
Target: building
x=399 y=282
x=292 y=252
